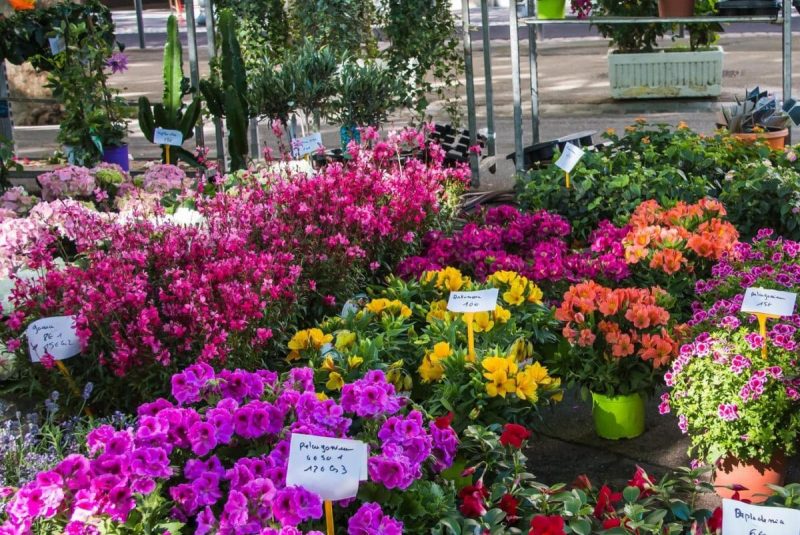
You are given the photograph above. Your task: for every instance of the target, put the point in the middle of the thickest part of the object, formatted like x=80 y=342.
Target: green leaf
x=631 y=494
x=581 y=526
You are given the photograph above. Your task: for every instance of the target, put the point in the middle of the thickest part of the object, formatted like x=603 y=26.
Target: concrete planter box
x=666 y=74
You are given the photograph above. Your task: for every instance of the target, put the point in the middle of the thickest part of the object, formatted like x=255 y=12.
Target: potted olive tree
x=637 y=68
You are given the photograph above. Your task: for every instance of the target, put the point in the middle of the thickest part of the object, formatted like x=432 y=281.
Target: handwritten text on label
x=744 y=519
x=570 y=157
x=330 y=467
x=479 y=301
x=306 y=145
x=55 y=336
x=764 y=301
x=162 y=136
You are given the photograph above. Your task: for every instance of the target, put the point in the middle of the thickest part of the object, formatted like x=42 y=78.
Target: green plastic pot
x=618 y=416
x=550 y=9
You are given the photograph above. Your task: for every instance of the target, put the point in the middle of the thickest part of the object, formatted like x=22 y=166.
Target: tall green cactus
x=171 y=112
x=228 y=98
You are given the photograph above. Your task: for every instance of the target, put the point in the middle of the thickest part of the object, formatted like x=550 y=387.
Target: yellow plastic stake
x=469 y=317
x=71 y=382
x=567 y=173
x=762 y=330
x=329 y=516
x=166 y=147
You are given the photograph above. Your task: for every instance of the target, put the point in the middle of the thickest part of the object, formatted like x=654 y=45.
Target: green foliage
x=227 y=95
x=7 y=163
x=707 y=34
x=171 y=113
x=657 y=162
x=345 y=26
x=630 y=37
x=365 y=94
x=309 y=72
x=262 y=29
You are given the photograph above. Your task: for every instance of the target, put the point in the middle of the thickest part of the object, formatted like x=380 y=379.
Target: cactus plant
x=227 y=98
x=171 y=113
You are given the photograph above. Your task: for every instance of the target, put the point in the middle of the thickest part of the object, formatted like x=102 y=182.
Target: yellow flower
x=682 y=125
x=516 y=294
x=522 y=349
x=321 y=396
x=430 y=371
x=335 y=381
x=376 y=306
x=441 y=351
x=437 y=311
x=527 y=387
x=535 y=294
x=451 y=279
x=328 y=364
x=539 y=373
x=354 y=361
x=405 y=311
x=500 y=385
x=307 y=339
x=611 y=132
x=496 y=364
x=503 y=277
x=482 y=323
x=501 y=315
x=345 y=339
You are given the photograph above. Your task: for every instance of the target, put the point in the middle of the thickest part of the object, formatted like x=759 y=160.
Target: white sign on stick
x=55 y=336
x=329 y=467
x=478 y=301
x=162 y=136
x=306 y=145
x=570 y=157
x=740 y=518
x=57 y=45
x=772 y=302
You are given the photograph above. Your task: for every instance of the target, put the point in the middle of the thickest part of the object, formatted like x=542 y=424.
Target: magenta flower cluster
x=533 y=244
x=190 y=451
x=148 y=293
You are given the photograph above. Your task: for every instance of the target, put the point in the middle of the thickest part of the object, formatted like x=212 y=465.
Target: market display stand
x=533 y=22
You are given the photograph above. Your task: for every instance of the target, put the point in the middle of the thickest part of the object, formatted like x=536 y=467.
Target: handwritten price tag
x=570 y=157
x=744 y=519
x=306 y=145
x=55 y=336
x=162 y=136
x=330 y=467
x=772 y=302
x=479 y=301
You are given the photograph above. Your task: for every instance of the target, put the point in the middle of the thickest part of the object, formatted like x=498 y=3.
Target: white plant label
x=772 y=302
x=55 y=336
x=570 y=157
x=479 y=301
x=57 y=45
x=162 y=136
x=309 y=144
x=740 y=518
x=329 y=467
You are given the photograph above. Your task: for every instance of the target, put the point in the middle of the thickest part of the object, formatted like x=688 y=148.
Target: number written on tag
x=329 y=467
x=53 y=336
x=771 y=302
x=478 y=301
x=303 y=146
x=162 y=136
x=570 y=157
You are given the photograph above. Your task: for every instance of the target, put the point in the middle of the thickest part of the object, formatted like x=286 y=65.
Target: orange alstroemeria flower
x=22 y=5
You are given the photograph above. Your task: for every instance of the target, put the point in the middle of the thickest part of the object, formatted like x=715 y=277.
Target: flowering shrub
x=619 y=339
x=752 y=410
x=215 y=459
x=15 y=202
x=407 y=331
x=533 y=244
x=150 y=297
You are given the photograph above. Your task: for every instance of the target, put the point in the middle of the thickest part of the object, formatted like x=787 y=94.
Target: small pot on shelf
x=675 y=8
x=617 y=417
x=754 y=476
x=117 y=154
x=550 y=9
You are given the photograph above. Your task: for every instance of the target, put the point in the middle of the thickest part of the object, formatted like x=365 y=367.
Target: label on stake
x=57 y=45
x=55 y=336
x=329 y=467
x=740 y=518
x=769 y=302
x=162 y=136
x=570 y=157
x=309 y=144
x=479 y=301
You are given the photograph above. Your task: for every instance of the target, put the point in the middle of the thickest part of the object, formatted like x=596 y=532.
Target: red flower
x=509 y=504
x=547 y=525
x=514 y=435
x=605 y=500
x=642 y=481
x=609 y=523
x=473 y=497
x=582 y=482
x=443 y=422
x=715 y=521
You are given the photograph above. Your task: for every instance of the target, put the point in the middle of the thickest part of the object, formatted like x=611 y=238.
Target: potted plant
x=365 y=93
x=757 y=117
x=618 y=341
x=638 y=69
x=736 y=393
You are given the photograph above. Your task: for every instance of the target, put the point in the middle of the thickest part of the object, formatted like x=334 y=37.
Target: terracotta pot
x=775 y=140
x=675 y=8
x=754 y=476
